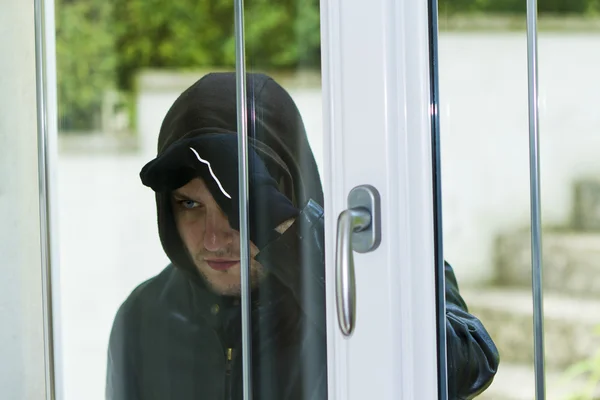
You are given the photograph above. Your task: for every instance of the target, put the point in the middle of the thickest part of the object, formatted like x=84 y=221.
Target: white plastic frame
x=377 y=116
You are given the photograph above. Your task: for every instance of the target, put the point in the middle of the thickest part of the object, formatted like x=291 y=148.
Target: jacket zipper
x=229 y=353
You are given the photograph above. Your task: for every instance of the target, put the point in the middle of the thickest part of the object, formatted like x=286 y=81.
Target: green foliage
x=194 y=34
x=593 y=7
x=86 y=60
x=282 y=35
x=171 y=34
x=101 y=45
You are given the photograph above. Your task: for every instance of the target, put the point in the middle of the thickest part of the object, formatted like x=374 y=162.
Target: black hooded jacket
x=173 y=338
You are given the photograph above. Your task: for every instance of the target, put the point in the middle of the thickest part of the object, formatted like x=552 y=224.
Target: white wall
x=21 y=333
x=485 y=136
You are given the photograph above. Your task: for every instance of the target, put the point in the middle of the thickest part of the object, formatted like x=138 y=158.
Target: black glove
x=214 y=158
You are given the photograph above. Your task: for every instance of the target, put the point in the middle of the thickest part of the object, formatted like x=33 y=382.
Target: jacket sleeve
x=472 y=355
x=121 y=381
x=297 y=259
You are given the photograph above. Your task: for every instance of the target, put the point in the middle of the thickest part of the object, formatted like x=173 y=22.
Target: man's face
x=211 y=242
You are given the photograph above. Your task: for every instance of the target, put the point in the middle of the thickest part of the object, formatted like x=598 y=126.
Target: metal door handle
x=358 y=229
x=349 y=221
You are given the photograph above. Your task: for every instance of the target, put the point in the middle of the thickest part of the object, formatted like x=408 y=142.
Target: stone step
x=586 y=205
x=570 y=324
x=517 y=382
x=571 y=262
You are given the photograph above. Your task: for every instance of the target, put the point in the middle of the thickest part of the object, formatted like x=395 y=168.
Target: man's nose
x=218 y=233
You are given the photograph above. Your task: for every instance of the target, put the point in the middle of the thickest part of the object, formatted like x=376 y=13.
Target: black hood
x=275 y=129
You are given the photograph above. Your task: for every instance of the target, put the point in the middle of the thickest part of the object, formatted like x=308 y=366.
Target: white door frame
x=378 y=131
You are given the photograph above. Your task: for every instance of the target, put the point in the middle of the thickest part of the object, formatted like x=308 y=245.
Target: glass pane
x=289 y=352
x=570 y=168
x=483 y=125
x=149 y=248
x=486 y=186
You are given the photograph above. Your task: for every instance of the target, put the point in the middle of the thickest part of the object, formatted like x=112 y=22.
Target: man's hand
x=285 y=226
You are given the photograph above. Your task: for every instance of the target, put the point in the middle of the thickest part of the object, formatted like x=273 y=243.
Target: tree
x=190 y=34
x=86 y=61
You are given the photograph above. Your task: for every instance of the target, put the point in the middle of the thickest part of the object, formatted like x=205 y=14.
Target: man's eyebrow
x=182 y=196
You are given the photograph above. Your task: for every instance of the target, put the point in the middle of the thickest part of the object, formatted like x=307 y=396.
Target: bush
x=191 y=34
x=86 y=61
x=101 y=45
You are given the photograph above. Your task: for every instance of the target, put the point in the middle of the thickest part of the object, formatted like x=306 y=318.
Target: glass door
x=488 y=225
x=248 y=204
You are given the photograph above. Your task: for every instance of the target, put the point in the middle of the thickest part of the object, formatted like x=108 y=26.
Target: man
x=178 y=335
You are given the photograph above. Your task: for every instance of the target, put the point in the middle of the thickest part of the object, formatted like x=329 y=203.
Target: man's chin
x=232 y=290
x=228 y=283
x=223 y=288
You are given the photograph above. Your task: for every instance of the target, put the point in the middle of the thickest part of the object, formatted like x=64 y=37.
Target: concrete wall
x=485 y=136
x=21 y=334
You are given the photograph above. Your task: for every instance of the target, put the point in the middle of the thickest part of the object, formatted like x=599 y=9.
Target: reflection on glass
x=486 y=185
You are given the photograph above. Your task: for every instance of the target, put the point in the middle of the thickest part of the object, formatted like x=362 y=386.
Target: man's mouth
x=221 y=264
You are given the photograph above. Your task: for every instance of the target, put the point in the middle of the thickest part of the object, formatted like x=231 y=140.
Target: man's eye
x=189 y=204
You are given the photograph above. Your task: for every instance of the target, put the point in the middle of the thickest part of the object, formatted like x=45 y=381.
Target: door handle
x=358 y=229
